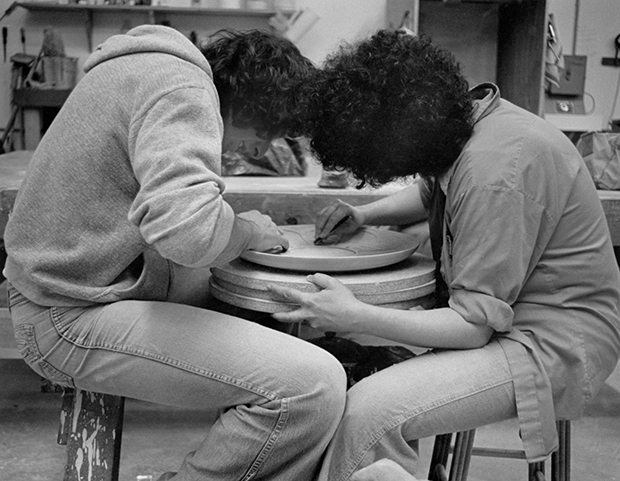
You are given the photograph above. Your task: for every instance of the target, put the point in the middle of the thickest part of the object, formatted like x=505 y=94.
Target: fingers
x=275 y=250
x=292 y=296
x=289 y=317
x=322 y=281
x=286 y=293
x=285 y=242
x=266 y=236
x=322 y=217
x=328 y=218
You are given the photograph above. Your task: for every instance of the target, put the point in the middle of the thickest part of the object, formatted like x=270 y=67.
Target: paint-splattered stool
x=91 y=426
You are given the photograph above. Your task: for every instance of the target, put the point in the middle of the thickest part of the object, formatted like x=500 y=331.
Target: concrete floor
x=156 y=438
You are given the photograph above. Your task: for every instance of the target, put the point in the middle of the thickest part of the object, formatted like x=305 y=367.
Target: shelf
x=35 y=98
x=148 y=9
x=151 y=11
x=575 y=122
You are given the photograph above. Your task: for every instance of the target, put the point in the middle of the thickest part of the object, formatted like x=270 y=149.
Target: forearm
x=402 y=208
x=239 y=242
x=434 y=328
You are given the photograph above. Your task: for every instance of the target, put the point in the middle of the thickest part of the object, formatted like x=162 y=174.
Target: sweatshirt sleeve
x=176 y=155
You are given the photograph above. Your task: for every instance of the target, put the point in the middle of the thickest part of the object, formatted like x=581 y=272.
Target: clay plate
x=368 y=248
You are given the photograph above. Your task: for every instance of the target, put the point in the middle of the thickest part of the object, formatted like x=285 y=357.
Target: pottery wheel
x=403 y=285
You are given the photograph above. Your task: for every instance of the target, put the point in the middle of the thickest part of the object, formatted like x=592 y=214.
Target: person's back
x=75 y=237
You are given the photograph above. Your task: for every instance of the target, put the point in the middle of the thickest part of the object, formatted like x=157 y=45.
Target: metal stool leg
x=536 y=471
x=461 y=456
x=439 y=458
x=464 y=449
x=560 y=460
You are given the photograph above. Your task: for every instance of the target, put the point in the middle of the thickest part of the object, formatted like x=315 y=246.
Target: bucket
x=60 y=72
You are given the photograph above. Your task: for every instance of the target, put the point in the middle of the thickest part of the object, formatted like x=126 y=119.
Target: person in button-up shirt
x=529 y=324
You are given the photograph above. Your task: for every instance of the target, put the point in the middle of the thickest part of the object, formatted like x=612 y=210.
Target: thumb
x=323 y=281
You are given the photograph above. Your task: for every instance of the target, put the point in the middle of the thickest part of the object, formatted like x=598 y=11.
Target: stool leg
x=439 y=458
x=66 y=416
x=536 y=471
x=560 y=460
x=462 y=455
x=94 y=439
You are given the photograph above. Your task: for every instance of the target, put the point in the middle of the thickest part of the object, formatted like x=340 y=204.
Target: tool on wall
x=614 y=61
x=5 y=34
x=52 y=46
x=9 y=10
x=22 y=34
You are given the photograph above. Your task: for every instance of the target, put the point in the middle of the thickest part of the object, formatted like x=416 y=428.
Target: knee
x=363 y=404
x=324 y=378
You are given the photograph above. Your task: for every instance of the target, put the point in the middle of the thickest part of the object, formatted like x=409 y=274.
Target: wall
x=597 y=27
x=339 y=20
x=327 y=32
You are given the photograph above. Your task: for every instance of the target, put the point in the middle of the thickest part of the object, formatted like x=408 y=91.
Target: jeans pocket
x=27 y=346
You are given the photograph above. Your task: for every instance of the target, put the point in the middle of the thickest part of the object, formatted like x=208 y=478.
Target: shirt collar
x=485 y=97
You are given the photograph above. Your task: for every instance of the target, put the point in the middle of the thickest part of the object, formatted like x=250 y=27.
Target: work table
x=288 y=200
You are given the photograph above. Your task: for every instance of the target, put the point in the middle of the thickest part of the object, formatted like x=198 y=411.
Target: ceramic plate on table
x=368 y=248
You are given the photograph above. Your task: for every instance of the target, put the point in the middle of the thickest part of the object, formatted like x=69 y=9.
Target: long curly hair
x=257 y=76
x=389 y=107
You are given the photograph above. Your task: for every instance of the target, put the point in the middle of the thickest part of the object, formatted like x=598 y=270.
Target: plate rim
x=325 y=264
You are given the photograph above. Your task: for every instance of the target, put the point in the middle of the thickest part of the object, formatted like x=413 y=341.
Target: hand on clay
x=266 y=235
x=328 y=218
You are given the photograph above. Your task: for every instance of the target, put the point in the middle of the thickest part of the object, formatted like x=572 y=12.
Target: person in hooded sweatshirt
x=116 y=224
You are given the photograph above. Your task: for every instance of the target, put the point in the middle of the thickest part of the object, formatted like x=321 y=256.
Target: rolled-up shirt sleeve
x=492 y=246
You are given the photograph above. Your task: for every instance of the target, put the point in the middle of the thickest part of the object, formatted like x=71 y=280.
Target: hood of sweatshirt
x=148 y=38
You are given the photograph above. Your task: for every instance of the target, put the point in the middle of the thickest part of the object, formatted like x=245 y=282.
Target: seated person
x=116 y=224
x=526 y=321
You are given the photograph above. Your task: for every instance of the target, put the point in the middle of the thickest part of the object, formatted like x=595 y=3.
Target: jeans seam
x=271 y=441
x=165 y=360
x=410 y=415
x=31 y=354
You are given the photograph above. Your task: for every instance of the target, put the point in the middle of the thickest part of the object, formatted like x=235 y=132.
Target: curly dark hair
x=257 y=76
x=389 y=107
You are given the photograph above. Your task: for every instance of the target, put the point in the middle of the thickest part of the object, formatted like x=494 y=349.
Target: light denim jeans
x=438 y=392
x=279 y=398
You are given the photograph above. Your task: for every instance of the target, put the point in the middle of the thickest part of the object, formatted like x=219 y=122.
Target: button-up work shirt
x=527 y=251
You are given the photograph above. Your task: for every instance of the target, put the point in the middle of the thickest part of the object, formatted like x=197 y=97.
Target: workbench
x=288 y=200
x=611 y=205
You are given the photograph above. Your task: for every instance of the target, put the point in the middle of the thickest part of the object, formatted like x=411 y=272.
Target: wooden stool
x=91 y=426
x=464 y=448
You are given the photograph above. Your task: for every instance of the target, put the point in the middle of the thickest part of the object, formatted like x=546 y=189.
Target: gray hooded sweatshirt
x=126 y=180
